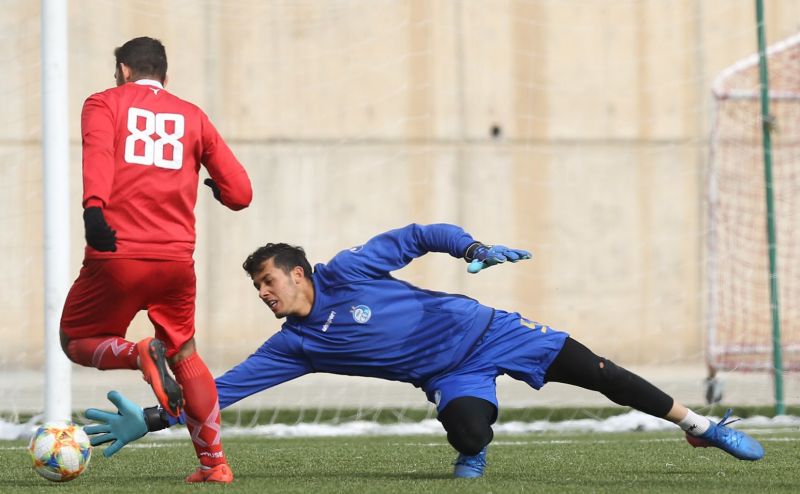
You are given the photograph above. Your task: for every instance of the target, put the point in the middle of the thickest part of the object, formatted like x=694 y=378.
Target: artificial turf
x=547 y=462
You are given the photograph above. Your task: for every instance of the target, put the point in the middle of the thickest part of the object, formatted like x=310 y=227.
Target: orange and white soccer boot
x=220 y=474
x=153 y=363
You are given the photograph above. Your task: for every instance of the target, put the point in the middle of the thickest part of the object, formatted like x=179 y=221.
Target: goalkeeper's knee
x=628 y=389
x=467 y=421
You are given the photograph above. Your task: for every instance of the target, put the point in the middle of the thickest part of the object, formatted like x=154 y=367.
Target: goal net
x=740 y=323
x=576 y=130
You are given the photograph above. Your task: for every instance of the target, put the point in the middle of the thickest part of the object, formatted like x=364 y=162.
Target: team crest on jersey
x=361 y=313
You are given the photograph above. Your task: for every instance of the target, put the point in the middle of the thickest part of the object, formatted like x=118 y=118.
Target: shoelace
x=478 y=460
x=726 y=416
x=729 y=435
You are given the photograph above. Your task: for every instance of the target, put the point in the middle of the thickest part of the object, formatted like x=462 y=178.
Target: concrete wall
x=357 y=116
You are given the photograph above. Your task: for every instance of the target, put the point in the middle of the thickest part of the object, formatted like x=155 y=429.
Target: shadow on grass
x=349 y=476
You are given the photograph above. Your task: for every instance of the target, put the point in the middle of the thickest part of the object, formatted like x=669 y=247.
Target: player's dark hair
x=284 y=256
x=146 y=57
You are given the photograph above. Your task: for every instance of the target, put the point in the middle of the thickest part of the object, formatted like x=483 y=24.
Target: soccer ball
x=60 y=451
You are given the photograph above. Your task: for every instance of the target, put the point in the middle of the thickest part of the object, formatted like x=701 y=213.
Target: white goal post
x=739 y=320
x=55 y=159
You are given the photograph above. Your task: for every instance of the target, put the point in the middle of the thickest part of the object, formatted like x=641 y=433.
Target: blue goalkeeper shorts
x=512 y=345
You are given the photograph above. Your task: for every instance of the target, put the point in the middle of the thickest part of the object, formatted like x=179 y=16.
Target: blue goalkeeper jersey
x=364 y=322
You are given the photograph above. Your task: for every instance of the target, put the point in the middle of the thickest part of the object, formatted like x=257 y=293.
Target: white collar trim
x=149 y=82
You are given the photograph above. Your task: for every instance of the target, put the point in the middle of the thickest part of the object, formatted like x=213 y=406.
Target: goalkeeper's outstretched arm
x=278 y=360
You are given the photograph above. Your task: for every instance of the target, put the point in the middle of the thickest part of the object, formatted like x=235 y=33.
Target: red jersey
x=142 y=152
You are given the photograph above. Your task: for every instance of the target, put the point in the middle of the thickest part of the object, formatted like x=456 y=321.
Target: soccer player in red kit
x=142 y=152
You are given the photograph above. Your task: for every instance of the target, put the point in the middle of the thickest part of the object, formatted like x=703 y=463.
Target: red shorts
x=109 y=292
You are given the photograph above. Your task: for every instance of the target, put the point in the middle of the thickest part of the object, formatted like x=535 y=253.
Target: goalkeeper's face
x=285 y=293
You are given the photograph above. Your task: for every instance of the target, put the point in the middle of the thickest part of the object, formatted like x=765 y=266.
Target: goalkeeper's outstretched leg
x=536 y=354
x=579 y=366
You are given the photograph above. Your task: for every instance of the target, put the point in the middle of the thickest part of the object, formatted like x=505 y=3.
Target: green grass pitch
x=564 y=463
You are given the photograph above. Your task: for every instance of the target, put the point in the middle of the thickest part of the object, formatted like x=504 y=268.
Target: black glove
x=214 y=188
x=99 y=235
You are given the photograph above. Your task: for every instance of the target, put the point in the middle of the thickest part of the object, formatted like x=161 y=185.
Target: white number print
x=152 y=151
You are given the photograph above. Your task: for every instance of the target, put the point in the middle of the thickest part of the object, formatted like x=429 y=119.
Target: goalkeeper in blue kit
x=351 y=317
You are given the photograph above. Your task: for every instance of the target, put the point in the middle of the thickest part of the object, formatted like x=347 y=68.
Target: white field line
x=495 y=444
x=629 y=422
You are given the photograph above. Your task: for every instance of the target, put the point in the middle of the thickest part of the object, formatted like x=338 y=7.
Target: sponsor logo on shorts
x=361 y=313
x=357 y=248
x=437 y=397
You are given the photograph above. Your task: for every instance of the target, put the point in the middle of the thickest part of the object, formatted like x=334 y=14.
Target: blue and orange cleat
x=153 y=363
x=470 y=467
x=733 y=442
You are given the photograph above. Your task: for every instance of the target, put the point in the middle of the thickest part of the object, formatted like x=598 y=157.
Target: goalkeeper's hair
x=285 y=257
x=146 y=57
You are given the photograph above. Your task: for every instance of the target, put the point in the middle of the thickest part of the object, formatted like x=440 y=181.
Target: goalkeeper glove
x=99 y=235
x=214 y=189
x=127 y=425
x=480 y=256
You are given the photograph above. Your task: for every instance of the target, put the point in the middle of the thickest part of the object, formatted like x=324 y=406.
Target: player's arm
x=98 y=137
x=229 y=182
x=276 y=361
x=394 y=249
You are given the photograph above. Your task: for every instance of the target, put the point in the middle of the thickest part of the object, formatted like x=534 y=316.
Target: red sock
x=202 y=409
x=103 y=352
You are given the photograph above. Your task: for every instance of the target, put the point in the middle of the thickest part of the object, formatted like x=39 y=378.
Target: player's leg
x=96 y=315
x=104 y=352
x=202 y=415
x=99 y=307
x=468 y=421
x=155 y=370
x=173 y=318
x=466 y=397
x=466 y=400
x=579 y=366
